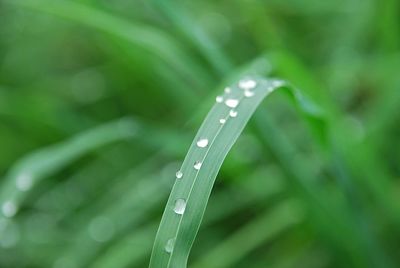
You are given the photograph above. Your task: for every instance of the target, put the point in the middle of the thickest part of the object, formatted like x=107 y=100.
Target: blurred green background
x=99 y=101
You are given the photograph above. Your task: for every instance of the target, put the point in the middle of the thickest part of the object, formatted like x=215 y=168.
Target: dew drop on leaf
x=9 y=209
x=180 y=206
x=233 y=113
x=247 y=84
x=169 y=247
x=232 y=103
x=248 y=93
x=202 y=143
x=179 y=174
x=277 y=83
x=24 y=182
x=197 y=165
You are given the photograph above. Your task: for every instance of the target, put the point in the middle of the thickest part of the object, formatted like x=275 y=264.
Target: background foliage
x=99 y=102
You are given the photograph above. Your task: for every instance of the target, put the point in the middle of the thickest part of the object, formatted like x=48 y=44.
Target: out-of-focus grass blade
x=198 y=36
x=136 y=202
x=195 y=179
x=253 y=234
x=144 y=36
x=122 y=255
x=223 y=206
x=48 y=161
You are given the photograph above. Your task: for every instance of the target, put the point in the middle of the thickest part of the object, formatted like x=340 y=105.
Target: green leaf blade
x=177 y=232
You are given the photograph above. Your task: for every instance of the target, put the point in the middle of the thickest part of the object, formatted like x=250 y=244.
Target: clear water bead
x=233 y=113
x=222 y=120
x=247 y=84
x=9 y=209
x=179 y=174
x=180 y=206
x=202 y=143
x=227 y=90
x=169 y=246
x=197 y=165
x=232 y=103
x=248 y=93
x=219 y=99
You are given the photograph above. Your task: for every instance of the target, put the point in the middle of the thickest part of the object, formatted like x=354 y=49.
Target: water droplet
x=277 y=83
x=197 y=165
x=219 y=99
x=202 y=143
x=9 y=209
x=233 y=113
x=222 y=120
x=180 y=206
x=179 y=174
x=270 y=88
x=24 y=182
x=169 y=247
x=227 y=90
x=248 y=93
x=247 y=84
x=232 y=103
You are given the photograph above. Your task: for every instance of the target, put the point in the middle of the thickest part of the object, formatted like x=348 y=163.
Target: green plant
x=195 y=179
x=312 y=182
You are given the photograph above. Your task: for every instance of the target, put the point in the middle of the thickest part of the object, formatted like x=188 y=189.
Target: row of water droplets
x=247 y=85
x=22 y=180
x=9 y=208
x=25 y=179
x=9 y=231
x=23 y=183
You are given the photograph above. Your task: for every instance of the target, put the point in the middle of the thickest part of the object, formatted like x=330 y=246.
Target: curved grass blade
x=223 y=207
x=134 y=202
x=219 y=131
x=45 y=162
x=148 y=38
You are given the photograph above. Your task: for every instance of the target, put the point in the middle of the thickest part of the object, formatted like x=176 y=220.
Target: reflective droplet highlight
x=277 y=83
x=169 y=246
x=197 y=165
x=248 y=93
x=180 y=206
x=227 y=90
x=202 y=143
x=232 y=103
x=222 y=121
x=219 y=99
x=247 y=84
x=233 y=113
x=24 y=182
x=9 y=209
x=179 y=174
